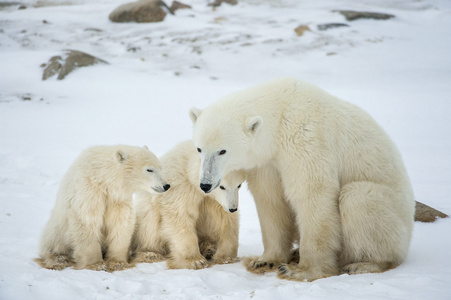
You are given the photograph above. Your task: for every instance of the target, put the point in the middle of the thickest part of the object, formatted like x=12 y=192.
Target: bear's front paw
x=55 y=262
x=296 y=273
x=257 y=266
x=195 y=264
x=100 y=266
x=225 y=260
x=148 y=257
x=114 y=265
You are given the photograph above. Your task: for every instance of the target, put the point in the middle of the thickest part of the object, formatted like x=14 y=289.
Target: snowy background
x=399 y=70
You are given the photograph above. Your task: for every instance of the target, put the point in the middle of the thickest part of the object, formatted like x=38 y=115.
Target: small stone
x=133 y=49
x=93 y=29
x=301 y=29
x=26 y=97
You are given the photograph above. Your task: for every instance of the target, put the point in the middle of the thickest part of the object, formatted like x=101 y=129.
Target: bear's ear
x=121 y=156
x=194 y=113
x=145 y=147
x=254 y=124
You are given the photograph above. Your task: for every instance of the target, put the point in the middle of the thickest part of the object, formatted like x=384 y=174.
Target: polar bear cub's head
x=226 y=142
x=141 y=169
x=227 y=193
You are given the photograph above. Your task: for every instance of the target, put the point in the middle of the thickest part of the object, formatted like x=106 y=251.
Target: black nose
x=232 y=210
x=205 y=187
x=166 y=187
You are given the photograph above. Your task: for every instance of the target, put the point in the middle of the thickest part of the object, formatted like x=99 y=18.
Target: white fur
x=322 y=172
x=177 y=222
x=94 y=215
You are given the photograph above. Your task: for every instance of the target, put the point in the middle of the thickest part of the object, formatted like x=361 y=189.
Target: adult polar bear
x=321 y=171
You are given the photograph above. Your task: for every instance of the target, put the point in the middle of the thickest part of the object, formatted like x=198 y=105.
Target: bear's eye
x=239 y=186
x=149 y=170
x=198 y=150
x=221 y=187
x=222 y=152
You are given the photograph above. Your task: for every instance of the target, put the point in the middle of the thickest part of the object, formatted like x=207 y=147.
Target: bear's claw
x=282 y=269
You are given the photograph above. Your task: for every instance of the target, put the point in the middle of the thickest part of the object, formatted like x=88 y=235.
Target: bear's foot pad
x=256 y=266
x=114 y=265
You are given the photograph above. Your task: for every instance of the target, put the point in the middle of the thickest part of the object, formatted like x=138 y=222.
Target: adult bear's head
x=225 y=139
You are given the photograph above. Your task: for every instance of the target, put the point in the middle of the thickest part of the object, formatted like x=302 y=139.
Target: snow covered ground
x=399 y=70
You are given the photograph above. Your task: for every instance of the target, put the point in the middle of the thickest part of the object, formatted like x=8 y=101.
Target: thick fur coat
x=321 y=171
x=184 y=225
x=92 y=222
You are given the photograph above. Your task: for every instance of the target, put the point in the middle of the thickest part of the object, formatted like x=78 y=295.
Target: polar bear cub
x=92 y=222
x=177 y=222
x=321 y=171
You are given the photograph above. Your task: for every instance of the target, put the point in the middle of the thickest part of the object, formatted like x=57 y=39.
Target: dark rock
x=331 y=25
x=178 y=5
x=351 y=15
x=53 y=67
x=217 y=3
x=424 y=213
x=6 y=4
x=70 y=61
x=144 y=11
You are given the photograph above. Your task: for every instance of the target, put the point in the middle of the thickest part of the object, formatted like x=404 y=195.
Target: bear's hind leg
x=377 y=224
x=367 y=267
